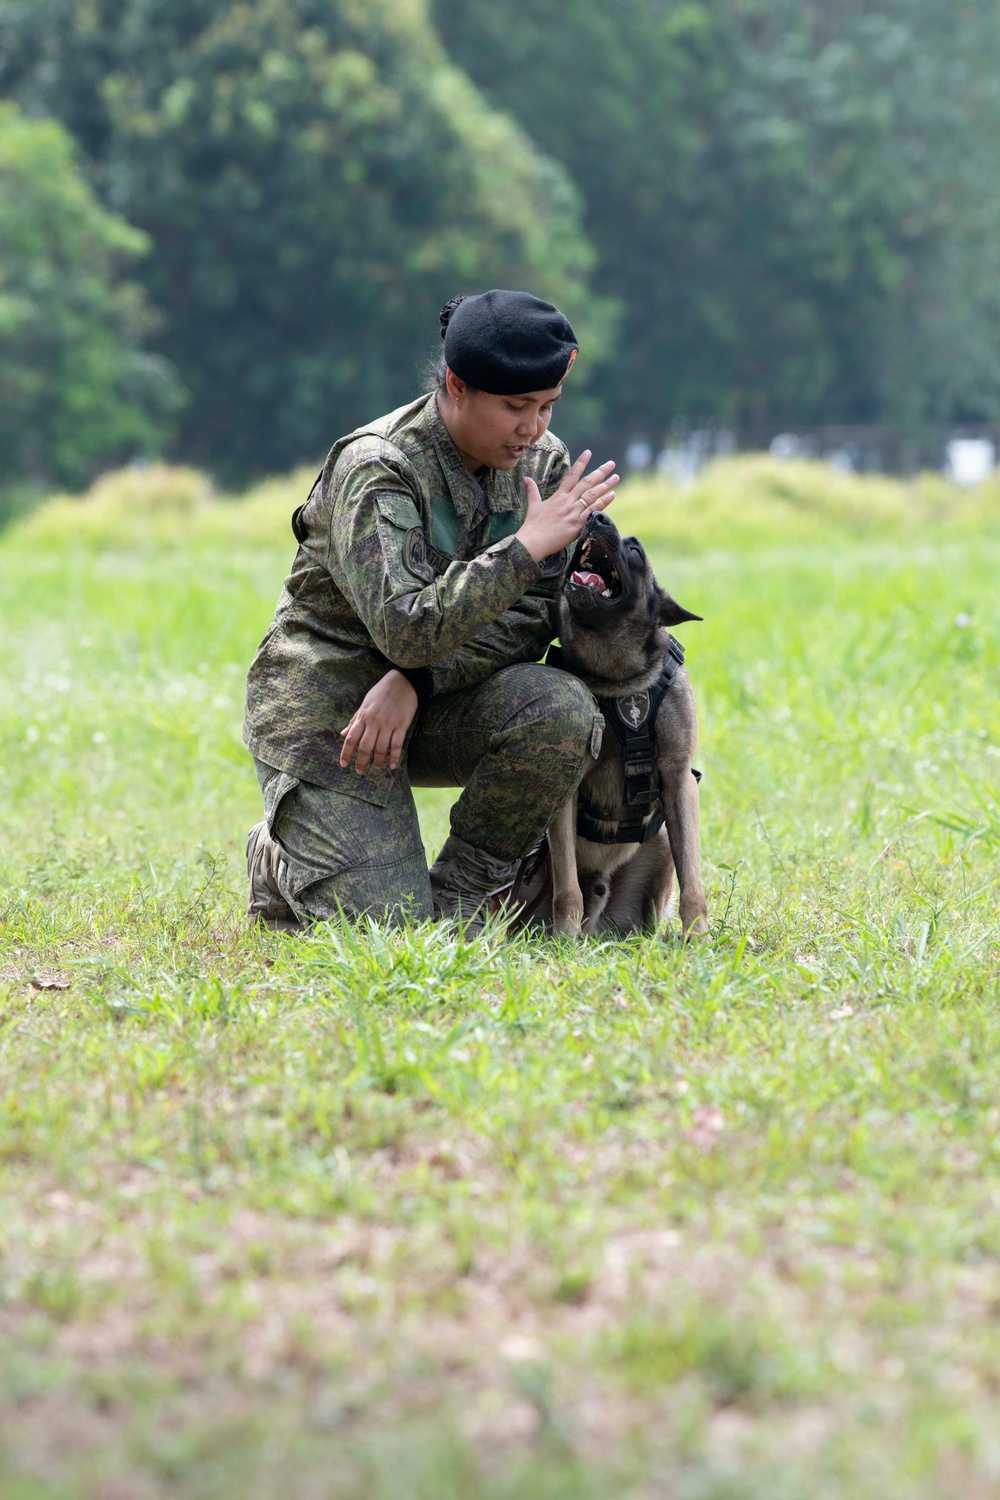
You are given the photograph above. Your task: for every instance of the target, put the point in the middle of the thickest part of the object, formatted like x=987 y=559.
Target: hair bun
x=447 y=311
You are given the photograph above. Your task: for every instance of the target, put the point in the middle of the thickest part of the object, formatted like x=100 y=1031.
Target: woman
x=429 y=552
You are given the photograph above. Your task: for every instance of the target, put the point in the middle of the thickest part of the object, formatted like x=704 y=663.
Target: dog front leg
x=682 y=812
x=567 y=897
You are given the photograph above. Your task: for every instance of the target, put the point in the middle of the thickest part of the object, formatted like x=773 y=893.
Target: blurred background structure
x=226 y=228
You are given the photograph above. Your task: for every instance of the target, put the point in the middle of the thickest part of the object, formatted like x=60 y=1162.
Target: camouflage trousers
x=519 y=743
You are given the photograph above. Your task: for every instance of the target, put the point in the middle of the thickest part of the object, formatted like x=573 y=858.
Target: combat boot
x=266 y=867
x=464 y=878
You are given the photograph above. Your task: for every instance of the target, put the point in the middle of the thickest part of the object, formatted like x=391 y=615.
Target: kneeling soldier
x=429 y=552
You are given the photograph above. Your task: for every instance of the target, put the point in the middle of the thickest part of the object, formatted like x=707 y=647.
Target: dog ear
x=672 y=613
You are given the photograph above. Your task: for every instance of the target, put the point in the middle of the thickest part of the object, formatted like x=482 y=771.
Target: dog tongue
x=589 y=580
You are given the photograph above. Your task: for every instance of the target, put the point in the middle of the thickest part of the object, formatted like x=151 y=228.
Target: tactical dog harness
x=633 y=719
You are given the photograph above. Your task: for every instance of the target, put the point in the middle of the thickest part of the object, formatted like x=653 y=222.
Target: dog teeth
x=606 y=594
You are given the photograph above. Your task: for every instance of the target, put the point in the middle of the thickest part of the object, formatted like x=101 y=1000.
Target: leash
x=526 y=872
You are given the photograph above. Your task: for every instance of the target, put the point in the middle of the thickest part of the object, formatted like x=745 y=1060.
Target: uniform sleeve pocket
x=404 y=545
x=397 y=510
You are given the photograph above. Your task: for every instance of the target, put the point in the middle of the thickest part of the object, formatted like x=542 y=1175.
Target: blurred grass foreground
x=383 y=1215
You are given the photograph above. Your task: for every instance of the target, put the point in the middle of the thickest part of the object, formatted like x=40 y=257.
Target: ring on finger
x=584 y=503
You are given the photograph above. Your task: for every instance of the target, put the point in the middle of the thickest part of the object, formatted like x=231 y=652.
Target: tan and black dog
x=614 y=847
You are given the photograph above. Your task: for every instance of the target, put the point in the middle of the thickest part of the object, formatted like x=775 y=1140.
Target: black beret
x=507 y=342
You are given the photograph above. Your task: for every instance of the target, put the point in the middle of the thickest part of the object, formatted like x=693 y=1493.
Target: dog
x=614 y=847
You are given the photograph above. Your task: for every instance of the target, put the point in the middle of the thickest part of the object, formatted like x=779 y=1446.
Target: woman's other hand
x=553 y=524
x=378 y=729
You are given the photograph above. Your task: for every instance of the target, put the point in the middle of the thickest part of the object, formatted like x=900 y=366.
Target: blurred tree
x=316 y=178
x=796 y=201
x=76 y=389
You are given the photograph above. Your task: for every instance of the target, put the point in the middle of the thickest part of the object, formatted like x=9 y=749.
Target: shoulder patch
x=415 y=555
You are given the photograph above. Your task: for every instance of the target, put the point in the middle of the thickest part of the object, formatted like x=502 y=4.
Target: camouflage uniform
x=406 y=558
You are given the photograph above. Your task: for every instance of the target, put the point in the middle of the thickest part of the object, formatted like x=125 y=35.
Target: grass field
x=395 y=1217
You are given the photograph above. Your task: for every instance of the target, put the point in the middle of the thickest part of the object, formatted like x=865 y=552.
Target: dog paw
x=566 y=918
x=698 y=928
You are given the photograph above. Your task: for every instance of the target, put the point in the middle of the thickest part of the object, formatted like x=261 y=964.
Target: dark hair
x=435 y=372
x=436 y=377
x=444 y=317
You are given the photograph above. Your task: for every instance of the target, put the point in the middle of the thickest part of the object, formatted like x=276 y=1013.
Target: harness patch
x=633 y=711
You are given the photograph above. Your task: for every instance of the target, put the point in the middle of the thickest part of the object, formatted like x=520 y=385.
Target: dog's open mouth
x=592 y=568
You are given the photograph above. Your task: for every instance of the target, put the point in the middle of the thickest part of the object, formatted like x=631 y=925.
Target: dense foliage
x=76 y=390
x=797 y=201
x=316 y=180
x=794 y=205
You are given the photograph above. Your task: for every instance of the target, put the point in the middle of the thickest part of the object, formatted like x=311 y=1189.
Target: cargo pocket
x=374 y=787
x=275 y=789
x=313 y=832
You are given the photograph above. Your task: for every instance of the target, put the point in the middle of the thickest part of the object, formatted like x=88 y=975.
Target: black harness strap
x=633 y=720
x=630 y=831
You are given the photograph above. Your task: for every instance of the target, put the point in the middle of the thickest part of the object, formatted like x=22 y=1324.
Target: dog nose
x=598 y=518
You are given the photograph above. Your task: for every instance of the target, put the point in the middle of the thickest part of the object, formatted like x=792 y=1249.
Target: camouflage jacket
x=405 y=558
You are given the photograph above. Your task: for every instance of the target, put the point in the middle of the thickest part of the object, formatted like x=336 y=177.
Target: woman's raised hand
x=553 y=524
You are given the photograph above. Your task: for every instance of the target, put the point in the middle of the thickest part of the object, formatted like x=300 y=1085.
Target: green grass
x=381 y=1215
